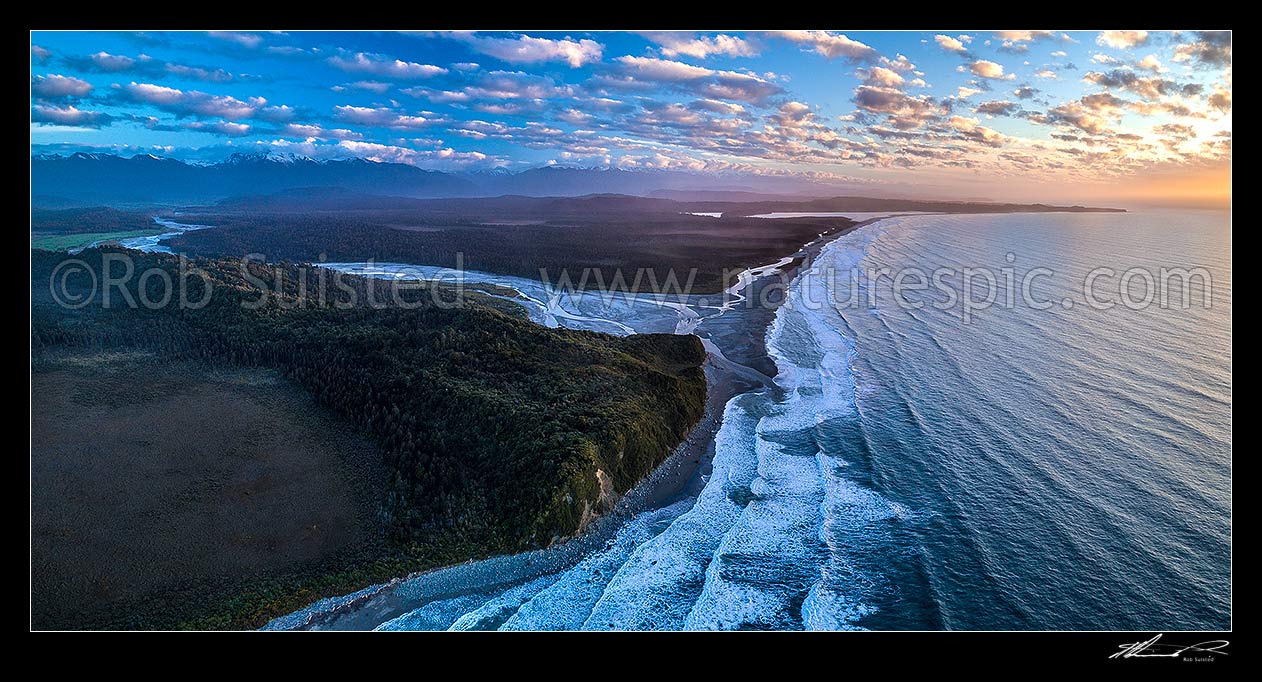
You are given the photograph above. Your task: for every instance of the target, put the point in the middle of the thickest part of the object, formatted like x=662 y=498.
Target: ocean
x=1067 y=468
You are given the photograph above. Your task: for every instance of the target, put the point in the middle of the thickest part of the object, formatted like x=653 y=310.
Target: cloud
x=506 y=91
x=964 y=92
x=1047 y=74
x=1091 y=114
x=41 y=54
x=244 y=39
x=220 y=128
x=950 y=44
x=904 y=111
x=718 y=107
x=386 y=67
x=970 y=129
x=830 y=45
x=1023 y=36
x=383 y=118
x=103 y=62
x=1025 y=92
x=1150 y=88
x=184 y=103
x=383 y=153
x=145 y=66
x=528 y=50
x=1151 y=63
x=997 y=108
x=199 y=73
x=1121 y=39
x=1211 y=48
x=986 y=69
x=311 y=131
x=676 y=43
x=881 y=77
x=54 y=86
x=638 y=72
x=371 y=86
x=1220 y=98
x=69 y=116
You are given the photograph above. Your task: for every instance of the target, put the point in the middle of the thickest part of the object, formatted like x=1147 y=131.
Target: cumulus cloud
x=950 y=44
x=971 y=129
x=185 y=103
x=226 y=128
x=1220 y=98
x=498 y=85
x=1211 y=48
x=904 y=111
x=1151 y=63
x=54 y=86
x=1047 y=74
x=1023 y=36
x=41 y=54
x=986 y=69
x=718 y=107
x=386 y=67
x=1150 y=87
x=1121 y=39
x=383 y=118
x=997 y=108
x=145 y=66
x=311 y=131
x=103 y=62
x=377 y=87
x=373 y=151
x=1025 y=92
x=68 y=116
x=529 y=50
x=830 y=45
x=713 y=84
x=676 y=43
x=1090 y=114
x=881 y=76
x=250 y=40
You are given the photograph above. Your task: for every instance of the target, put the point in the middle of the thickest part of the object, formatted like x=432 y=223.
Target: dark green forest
x=492 y=427
x=606 y=237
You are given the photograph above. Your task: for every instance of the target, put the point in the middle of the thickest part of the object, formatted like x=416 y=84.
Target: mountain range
x=83 y=179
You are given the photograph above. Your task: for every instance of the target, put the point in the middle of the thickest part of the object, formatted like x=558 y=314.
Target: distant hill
x=84 y=179
x=109 y=179
x=284 y=182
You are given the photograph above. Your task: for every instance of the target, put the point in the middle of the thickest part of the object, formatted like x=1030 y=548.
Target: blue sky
x=1021 y=108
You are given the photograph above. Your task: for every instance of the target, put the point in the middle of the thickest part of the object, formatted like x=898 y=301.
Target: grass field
x=145 y=472
x=63 y=242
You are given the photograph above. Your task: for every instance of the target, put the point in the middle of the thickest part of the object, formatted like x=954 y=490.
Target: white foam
x=655 y=588
x=495 y=611
x=566 y=604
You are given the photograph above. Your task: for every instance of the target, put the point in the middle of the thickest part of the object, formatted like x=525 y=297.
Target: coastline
x=737 y=362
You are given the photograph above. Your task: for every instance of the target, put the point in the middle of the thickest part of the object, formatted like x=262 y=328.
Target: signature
x=1153 y=648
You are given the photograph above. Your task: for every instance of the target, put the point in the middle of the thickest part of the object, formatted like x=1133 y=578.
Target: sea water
x=1012 y=468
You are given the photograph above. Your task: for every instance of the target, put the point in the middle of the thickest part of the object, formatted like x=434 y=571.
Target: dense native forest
x=606 y=239
x=96 y=219
x=493 y=428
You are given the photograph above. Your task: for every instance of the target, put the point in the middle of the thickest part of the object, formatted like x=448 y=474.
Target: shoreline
x=737 y=362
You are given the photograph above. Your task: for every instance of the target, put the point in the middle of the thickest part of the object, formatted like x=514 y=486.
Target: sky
x=1005 y=115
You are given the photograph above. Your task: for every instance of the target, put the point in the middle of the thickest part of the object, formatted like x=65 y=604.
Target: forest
x=492 y=428
x=515 y=236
